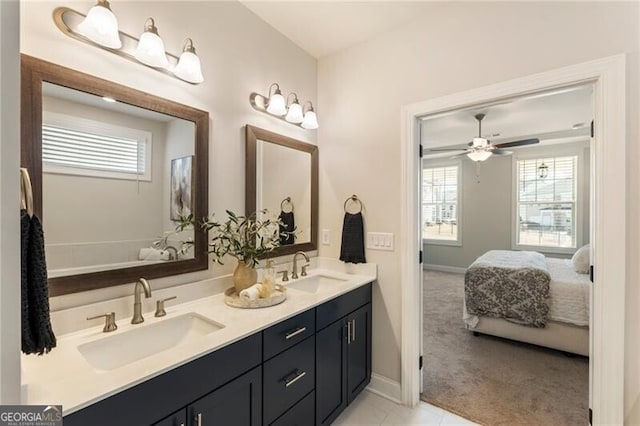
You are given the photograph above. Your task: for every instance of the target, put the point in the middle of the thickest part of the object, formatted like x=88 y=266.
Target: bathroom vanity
x=301 y=362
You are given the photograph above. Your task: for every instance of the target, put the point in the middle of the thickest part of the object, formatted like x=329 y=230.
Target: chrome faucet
x=173 y=252
x=294 y=273
x=137 y=305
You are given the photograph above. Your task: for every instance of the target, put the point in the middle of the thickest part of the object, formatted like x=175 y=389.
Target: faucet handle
x=160 y=312
x=285 y=275
x=304 y=270
x=109 y=323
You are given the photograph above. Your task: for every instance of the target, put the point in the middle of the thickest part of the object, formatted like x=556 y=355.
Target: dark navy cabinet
x=302 y=371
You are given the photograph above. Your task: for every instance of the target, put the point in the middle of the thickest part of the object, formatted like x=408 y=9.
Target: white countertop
x=65 y=377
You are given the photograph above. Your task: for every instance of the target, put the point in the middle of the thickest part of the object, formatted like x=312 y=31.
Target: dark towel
x=37 y=334
x=287 y=236
x=352 y=249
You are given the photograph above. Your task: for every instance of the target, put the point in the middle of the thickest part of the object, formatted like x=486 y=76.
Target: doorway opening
x=506 y=227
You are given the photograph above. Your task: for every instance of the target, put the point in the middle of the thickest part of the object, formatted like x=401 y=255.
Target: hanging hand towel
x=352 y=249
x=37 y=334
x=287 y=228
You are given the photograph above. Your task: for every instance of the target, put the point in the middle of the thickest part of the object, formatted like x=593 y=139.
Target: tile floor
x=370 y=409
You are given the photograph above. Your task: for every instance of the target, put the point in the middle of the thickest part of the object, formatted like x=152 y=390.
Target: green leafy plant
x=246 y=238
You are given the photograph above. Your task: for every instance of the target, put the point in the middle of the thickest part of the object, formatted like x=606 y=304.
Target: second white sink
x=120 y=349
x=314 y=283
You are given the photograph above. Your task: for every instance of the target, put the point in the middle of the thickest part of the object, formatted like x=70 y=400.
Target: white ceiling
x=324 y=27
x=549 y=117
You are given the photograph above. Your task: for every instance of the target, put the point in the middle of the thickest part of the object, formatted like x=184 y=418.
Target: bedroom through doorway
x=506 y=207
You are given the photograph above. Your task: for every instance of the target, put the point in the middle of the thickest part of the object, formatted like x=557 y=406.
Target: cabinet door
x=178 y=418
x=358 y=351
x=239 y=402
x=331 y=379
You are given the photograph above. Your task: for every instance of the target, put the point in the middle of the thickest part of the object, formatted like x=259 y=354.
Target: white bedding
x=569 y=293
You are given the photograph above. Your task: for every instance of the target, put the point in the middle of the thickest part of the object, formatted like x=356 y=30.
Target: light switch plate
x=380 y=241
x=326 y=237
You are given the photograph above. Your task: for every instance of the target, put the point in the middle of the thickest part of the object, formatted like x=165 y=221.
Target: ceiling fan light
x=480 y=142
x=479 y=155
x=101 y=26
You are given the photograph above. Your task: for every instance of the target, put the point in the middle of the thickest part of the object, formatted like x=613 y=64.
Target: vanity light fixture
x=150 y=50
x=189 y=68
x=276 y=104
x=289 y=110
x=310 y=119
x=294 y=113
x=101 y=26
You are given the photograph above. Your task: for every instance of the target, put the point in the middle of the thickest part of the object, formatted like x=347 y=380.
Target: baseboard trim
x=386 y=388
x=445 y=268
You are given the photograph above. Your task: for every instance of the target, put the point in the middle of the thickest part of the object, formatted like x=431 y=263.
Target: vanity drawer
x=301 y=414
x=335 y=309
x=286 y=334
x=287 y=378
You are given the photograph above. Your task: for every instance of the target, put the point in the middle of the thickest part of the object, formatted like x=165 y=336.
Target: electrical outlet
x=326 y=237
x=380 y=241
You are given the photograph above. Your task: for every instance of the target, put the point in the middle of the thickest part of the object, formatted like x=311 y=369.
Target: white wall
x=9 y=194
x=239 y=53
x=487 y=205
x=362 y=89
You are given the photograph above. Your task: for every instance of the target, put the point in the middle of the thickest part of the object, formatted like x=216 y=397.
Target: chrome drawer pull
x=295 y=333
x=299 y=375
x=348 y=332
x=199 y=419
x=353 y=337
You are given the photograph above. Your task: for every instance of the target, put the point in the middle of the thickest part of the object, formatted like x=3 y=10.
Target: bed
x=527 y=297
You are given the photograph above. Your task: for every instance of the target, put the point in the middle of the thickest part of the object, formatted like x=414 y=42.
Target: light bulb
x=150 y=50
x=101 y=26
x=479 y=155
x=310 y=121
x=294 y=115
x=189 y=68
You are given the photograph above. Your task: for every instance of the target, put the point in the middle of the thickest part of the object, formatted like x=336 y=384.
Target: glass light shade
x=310 y=120
x=480 y=142
x=189 y=68
x=150 y=50
x=294 y=115
x=101 y=26
x=277 y=105
x=479 y=155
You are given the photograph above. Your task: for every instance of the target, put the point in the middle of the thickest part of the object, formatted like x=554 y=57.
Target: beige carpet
x=490 y=380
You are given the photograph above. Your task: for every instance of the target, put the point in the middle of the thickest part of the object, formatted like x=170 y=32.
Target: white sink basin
x=314 y=283
x=123 y=348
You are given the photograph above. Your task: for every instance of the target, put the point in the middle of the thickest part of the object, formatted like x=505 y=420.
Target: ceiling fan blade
x=446 y=149
x=464 y=154
x=501 y=152
x=517 y=143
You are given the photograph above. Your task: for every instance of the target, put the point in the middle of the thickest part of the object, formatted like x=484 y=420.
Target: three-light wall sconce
x=99 y=27
x=287 y=109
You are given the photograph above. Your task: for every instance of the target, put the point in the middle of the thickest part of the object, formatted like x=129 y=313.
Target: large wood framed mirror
x=282 y=178
x=112 y=168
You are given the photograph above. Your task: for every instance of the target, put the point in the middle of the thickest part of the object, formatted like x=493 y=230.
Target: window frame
x=551 y=152
x=90 y=126
x=441 y=163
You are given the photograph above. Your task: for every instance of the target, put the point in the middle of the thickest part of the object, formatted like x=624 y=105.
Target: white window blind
x=440 y=203
x=547 y=203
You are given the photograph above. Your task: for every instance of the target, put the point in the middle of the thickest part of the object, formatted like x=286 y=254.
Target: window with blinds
x=546 y=202
x=105 y=151
x=440 y=193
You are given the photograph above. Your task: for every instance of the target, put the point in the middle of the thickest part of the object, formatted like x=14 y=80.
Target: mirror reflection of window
x=107 y=193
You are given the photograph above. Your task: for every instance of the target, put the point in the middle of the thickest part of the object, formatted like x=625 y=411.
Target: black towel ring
x=285 y=201
x=354 y=198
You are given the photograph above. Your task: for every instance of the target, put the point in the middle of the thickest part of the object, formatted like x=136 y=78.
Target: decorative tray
x=231 y=298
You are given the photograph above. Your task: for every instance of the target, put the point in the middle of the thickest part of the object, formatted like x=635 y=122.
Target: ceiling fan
x=480 y=149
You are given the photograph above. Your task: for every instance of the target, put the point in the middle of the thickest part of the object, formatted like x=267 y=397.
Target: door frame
x=609 y=223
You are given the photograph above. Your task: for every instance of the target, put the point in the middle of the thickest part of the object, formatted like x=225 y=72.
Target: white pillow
x=581 y=260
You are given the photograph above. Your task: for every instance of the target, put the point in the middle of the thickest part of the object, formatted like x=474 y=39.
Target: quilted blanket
x=513 y=285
